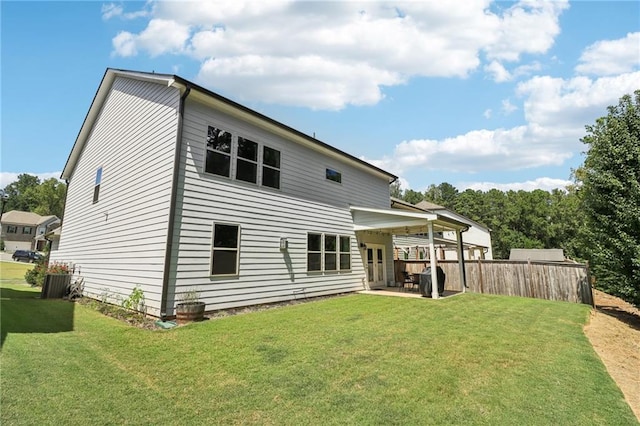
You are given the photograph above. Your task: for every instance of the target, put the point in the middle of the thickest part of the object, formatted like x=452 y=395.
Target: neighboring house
x=477 y=238
x=172 y=187
x=539 y=255
x=20 y=229
x=52 y=237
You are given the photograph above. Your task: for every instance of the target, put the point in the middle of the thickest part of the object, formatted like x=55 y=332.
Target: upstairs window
x=333 y=175
x=27 y=230
x=11 y=229
x=271 y=167
x=96 y=188
x=241 y=158
x=226 y=248
x=247 y=161
x=218 y=159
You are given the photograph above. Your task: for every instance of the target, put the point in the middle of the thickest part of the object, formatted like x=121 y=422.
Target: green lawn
x=13 y=272
x=358 y=359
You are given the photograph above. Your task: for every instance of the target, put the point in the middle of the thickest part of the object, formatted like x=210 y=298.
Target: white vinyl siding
x=306 y=203
x=302 y=170
x=119 y=242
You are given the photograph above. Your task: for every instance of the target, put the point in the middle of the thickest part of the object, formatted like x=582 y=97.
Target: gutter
x=172 y=208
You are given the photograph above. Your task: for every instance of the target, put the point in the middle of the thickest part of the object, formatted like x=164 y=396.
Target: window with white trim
x=270 y=167
x=12 y=229
x=241 y=159
x=345 y=253
x=247 y=160
x=27 y=230
x=226 y=249
x=314 y=252
x=328 y=252
x=218 y=161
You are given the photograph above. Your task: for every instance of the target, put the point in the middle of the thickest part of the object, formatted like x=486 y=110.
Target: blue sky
x=489 y=94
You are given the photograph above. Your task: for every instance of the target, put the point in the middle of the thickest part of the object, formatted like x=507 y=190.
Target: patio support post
x=432 y=257
x=463 y=275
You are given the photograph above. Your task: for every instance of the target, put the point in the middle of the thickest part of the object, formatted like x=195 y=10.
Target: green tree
x=20 y=196
x=444 y=194
x=413 y=197
x=610 y=195
x=49 y=196
x=394 y=190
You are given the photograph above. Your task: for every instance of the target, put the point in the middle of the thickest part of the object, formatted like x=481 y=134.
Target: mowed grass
x=357 y=359
x=13 y=272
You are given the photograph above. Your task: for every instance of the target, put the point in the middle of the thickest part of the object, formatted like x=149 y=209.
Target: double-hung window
x=226 y=249
x=12 y=229
x=218 y=152
x=328 y=252
x=314 y=252
x=247 y=160
x=271 y=167
x=27 y=230
x=345 y=253
x=242 y=159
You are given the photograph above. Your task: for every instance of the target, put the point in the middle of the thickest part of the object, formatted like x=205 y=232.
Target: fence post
x=480 y=276
x=593 y=299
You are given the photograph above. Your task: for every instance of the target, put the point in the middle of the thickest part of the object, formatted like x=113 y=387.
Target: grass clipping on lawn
x=359 y=359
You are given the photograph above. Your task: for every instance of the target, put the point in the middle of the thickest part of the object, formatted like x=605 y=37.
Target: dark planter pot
x=189 y=311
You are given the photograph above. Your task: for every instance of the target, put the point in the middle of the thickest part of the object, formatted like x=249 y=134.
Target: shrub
x=36 y=275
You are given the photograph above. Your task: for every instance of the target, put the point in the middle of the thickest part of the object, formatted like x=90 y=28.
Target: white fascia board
x=395 y=212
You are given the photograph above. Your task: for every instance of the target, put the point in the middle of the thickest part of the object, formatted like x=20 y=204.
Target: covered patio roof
x=402 y=222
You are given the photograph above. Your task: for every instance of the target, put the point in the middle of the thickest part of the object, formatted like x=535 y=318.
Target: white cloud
x=544 y=183
x=124 y=44
x=8 y=177
x=508 y=107
x=487 y=113
x=498 y=72
x=555 y=110
x=527 y=27
x=161 y=36
x=112 y=10
x=328 y=84
x=386 y=43
x=609 y=57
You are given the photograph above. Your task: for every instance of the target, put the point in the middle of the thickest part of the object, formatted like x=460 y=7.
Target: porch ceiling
x=401 y=222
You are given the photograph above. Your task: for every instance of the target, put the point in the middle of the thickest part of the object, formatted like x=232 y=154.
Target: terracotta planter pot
x=189 y=311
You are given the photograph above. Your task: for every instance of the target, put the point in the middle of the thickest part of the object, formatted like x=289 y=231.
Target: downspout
x=172 y=208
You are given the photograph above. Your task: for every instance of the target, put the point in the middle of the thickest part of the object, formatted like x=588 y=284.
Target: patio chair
x=410 y=279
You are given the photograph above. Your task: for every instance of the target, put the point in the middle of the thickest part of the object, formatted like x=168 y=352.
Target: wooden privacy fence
x=569 y=282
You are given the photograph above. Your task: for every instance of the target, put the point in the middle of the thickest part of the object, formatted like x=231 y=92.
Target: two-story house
x=172 y=187
x=20 y=230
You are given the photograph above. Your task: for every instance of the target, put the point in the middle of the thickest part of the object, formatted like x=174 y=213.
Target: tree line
x=596 y=219
x=517 y=219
